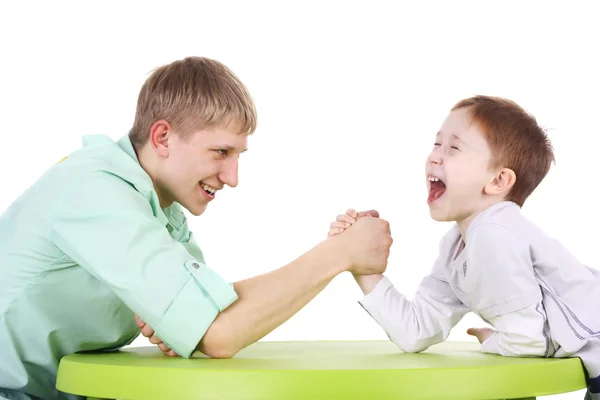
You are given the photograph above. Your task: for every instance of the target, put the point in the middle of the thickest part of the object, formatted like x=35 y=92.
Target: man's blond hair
x=192 y=94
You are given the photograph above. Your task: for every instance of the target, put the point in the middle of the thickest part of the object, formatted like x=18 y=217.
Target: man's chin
x=194 y=209
x=197 y=211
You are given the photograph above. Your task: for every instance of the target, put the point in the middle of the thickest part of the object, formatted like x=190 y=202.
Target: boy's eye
x=436 y=144
x=221 y=152
x=454 y=147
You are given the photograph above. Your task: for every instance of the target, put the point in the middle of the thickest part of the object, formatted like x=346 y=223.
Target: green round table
x=319 y=370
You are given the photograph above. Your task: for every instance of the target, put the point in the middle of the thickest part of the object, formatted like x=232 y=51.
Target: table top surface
x=319 y=369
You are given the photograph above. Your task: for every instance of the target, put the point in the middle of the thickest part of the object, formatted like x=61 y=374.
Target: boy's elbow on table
x=412 y=344
x=412 y=347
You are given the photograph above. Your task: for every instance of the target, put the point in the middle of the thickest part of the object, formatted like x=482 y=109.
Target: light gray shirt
x=539 y=298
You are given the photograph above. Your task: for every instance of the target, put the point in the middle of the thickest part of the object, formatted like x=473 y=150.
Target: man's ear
x=501 y=183
x=159 y=137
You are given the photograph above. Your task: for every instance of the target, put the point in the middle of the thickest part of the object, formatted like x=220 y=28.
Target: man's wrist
x=336 y=254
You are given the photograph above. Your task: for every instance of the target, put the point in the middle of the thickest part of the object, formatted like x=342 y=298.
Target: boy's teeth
x=433 y=179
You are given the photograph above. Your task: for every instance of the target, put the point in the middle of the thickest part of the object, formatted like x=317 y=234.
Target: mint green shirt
x=81 y=251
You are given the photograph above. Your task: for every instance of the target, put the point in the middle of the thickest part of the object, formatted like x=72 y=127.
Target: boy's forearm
x=415 y=325
x=367 y=282
x=266 y=301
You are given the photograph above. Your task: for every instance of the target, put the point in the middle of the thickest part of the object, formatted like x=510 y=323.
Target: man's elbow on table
x=218 y=342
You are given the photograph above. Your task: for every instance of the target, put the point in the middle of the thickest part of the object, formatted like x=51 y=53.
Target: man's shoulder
x=102 y=155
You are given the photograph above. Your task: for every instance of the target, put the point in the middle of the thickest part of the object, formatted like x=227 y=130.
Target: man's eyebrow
x=229 y=148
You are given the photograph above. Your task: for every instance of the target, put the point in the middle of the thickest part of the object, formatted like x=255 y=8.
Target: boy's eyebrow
x=454 y=136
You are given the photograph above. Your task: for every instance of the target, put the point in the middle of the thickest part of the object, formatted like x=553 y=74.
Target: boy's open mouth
x=436 y=189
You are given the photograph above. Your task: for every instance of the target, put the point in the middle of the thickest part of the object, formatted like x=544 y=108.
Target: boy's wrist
x=368 y=283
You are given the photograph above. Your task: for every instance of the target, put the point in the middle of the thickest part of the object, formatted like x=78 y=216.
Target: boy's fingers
x=482 y=334
x=335 y=231
x=352 y=212
x=373 y=213
x=345 y=218
x=339 y=224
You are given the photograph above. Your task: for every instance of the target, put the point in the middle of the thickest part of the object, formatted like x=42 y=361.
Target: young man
x=102 y=236
x=488 y=157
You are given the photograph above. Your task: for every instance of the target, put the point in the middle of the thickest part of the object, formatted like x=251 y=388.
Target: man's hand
x=366 y=241
x=482 y=334
x=148 y=332
x=343 y=221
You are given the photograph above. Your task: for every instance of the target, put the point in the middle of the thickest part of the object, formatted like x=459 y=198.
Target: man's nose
x=229 y=174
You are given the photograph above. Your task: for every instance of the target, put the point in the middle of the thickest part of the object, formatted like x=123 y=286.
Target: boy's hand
x=148 y=332
x=482 y=334
x=344 y=221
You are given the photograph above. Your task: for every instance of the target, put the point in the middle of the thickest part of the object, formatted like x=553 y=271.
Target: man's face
x=193 y=169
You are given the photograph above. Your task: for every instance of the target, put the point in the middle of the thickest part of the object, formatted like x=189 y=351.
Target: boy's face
x=194 y=169
x=457 y=170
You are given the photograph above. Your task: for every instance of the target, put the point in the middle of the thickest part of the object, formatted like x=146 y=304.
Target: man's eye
x=221 y=152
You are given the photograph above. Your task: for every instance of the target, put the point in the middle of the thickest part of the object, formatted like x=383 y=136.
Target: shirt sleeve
x=521 y=333
x=418 y=324
x=110 y=230
x=500 y=271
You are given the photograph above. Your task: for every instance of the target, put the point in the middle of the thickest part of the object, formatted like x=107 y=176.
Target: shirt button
x=196 y=265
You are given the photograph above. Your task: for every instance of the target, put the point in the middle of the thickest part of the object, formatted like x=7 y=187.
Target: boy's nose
x=435 y=157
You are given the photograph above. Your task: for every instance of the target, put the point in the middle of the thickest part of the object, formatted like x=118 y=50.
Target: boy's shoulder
x=502 y=216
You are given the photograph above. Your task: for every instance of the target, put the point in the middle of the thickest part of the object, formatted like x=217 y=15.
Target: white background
x=349 y=96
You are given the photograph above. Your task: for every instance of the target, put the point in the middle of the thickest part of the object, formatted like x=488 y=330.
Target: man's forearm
x=266 y=301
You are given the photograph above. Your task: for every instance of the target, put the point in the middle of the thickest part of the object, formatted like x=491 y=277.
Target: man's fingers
x=172 y=353
x=154 y=339
x=163 y=347
x=147 y=331
x=139 y=322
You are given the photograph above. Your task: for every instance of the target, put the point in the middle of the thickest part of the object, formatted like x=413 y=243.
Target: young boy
x=488 y=157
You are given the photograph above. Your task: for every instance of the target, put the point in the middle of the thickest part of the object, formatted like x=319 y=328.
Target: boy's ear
x=501 y=183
